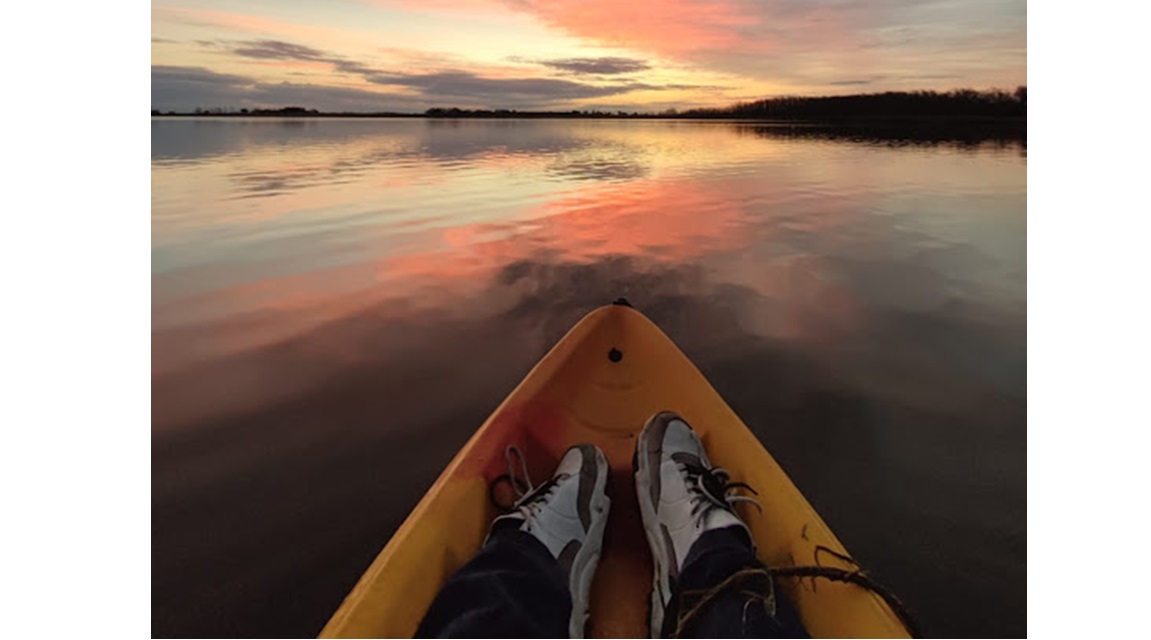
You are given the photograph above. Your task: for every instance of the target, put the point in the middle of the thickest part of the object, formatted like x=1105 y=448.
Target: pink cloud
x=799 y=44
x=666 y=27
x=659 y=26
x=787 y=42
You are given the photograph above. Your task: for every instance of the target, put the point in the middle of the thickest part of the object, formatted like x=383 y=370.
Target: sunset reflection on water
x=337 y=304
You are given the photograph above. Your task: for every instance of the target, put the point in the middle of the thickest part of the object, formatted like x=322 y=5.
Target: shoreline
x=963 y=129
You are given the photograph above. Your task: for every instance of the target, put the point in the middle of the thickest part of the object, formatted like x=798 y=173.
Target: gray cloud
x=598 y=66
x=454 y=84
x=195 y=75
x=185 y=88
x=700 y=87
x=278 y=50
x=281 y=50
x=938 y=76
x=352 y=67
x=464 y=84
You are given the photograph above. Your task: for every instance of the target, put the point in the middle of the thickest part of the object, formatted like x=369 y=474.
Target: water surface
x=338 y=304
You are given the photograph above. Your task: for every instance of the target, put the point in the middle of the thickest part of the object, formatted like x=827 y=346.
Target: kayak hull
x=599 y=385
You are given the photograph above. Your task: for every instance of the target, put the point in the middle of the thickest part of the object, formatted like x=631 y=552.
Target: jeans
x=514 y=588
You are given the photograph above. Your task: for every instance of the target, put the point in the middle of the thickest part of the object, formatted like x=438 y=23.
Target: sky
x=633 y=55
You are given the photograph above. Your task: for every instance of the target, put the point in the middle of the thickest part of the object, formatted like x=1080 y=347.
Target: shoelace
x=529 y=498
x=527 y=478
x=714 y=489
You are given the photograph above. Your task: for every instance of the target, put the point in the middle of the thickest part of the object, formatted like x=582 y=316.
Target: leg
x=532 y=578
x=747 y=606
x=706 y=581
x=513 y=588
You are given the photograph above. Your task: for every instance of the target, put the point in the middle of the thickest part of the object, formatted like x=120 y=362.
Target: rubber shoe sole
x=587 y=558
x=661 y=583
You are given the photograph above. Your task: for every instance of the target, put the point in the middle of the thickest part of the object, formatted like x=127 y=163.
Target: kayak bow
x=599 y=385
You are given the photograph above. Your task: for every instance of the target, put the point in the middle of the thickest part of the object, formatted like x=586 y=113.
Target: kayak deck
x=599 y=385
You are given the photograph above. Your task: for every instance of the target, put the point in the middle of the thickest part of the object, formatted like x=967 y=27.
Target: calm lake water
x=338 y=304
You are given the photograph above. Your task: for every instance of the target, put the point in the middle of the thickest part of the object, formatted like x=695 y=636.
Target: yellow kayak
x=599 y=385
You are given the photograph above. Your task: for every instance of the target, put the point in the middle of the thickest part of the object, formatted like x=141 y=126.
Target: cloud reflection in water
x=321 y=351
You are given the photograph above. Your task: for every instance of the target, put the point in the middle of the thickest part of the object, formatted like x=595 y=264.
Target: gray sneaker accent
x=672 y=564
x=588 y=471
x=654 y=441
x=568 y=555
x=686 y=458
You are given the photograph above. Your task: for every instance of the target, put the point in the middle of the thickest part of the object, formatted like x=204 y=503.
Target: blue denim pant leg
x=713 y=558
x=513 y=588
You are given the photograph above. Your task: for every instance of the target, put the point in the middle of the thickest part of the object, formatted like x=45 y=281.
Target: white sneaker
x=568 y=514
x=680 y=497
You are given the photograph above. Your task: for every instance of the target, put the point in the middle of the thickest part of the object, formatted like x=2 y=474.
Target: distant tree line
x=231 y=111
x=963 y=103
x=958 y=104
x=514 y=113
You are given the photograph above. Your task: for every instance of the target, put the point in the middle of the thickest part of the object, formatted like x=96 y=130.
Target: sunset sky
x=646 y=55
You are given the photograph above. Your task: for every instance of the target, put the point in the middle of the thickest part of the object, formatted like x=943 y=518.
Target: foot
x=681 y=496
x=568 y=514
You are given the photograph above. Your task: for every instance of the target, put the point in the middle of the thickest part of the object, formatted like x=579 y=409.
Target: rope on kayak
x=757 y=583
x=858 y=578
x=752 y=582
